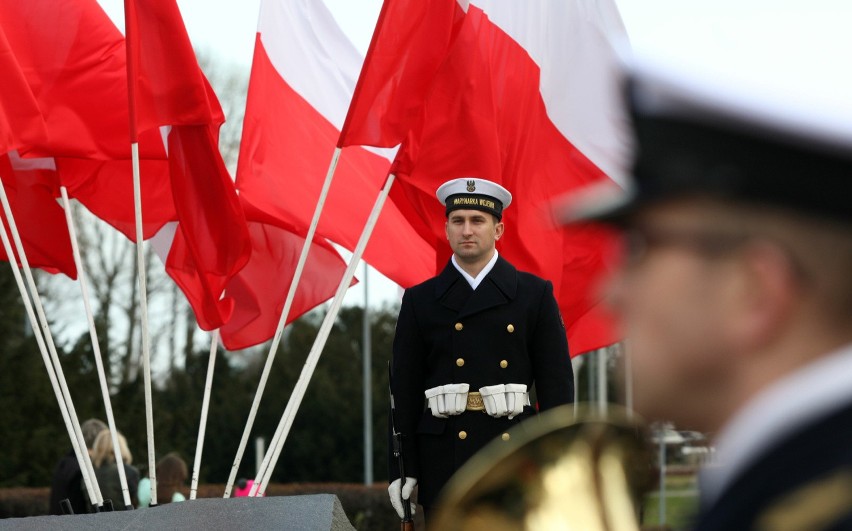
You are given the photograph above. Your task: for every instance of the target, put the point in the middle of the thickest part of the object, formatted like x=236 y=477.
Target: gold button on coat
x=462 y=435
x=459 y=326
x=505 y=436
x=510 y=328
x=460 y=362
x=504 y=364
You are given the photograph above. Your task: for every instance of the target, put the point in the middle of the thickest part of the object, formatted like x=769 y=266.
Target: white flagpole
x=291 y=294
x=367 y=383
x=295 y=401
x=576 y=366
x=51 y=363
x=96 y=348
x=628 y=380
x=143 y=310
x=205 y=404
x=603 y=399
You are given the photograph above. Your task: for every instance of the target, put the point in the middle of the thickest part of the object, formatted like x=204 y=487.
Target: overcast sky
x=783 y=50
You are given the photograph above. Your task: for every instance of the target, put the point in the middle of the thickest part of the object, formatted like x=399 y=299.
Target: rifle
x=407 y=522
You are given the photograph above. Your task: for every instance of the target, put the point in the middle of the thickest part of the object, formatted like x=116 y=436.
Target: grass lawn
x=681 y=503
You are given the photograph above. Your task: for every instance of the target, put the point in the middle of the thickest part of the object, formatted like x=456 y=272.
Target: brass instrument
x=557 y=471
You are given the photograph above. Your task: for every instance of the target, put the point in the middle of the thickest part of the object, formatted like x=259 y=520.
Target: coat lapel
x=498 y=287
x=451 y=289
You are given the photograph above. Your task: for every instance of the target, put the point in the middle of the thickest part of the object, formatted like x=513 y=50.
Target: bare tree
x=109 y=260
x=231 y=87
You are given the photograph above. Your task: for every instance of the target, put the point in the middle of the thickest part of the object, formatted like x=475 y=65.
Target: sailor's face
x=673 y=298
x=472 y=234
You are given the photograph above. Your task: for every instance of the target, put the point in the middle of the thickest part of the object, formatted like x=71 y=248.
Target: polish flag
x=574 y=46
x=526 y=95
x=303 y=76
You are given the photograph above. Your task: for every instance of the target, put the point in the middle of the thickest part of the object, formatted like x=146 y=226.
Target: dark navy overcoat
x=508 y=330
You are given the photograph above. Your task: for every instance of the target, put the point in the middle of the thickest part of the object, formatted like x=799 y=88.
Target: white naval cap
x=470 y=193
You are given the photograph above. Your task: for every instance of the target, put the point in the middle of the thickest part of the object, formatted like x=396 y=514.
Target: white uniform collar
x=474 y=282
x=810 y=393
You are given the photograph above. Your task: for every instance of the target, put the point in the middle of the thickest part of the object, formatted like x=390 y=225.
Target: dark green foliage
x=325 y=443
x=31 y=423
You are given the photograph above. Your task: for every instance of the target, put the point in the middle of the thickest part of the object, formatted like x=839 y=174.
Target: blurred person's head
x=91 y=428
x=171 y=475
x=102 y=451
x=720 y=299
x=738 y=232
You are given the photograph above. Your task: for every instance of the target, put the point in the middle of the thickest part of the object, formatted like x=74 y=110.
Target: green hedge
x=24 y=501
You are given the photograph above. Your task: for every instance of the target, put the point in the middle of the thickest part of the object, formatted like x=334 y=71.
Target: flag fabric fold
x=31 y=187
x=167 y=88
x=409 y=43
x=21 y=122
x=212 y=241
x=261 y=287
x=74 y=62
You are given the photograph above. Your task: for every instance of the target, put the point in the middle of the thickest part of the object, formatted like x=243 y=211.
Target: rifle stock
x=407 y=522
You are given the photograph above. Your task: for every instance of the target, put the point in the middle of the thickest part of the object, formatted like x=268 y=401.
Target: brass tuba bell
x=557 y=471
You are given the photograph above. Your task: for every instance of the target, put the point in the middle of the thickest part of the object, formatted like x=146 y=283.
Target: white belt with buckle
x=502 y=400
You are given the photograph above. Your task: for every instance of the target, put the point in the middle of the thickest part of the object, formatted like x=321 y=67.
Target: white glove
x=396 y=496
x=449 y=399
x=494 y=398
x=516 y=399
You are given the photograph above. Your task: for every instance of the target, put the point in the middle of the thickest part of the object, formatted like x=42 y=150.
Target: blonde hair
x=102 y=450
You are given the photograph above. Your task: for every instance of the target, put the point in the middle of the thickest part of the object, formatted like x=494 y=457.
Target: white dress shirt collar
x=474 y=282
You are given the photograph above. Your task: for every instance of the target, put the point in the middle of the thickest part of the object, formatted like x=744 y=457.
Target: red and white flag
x=303 y=76
x=525 y=96
x=574 y=45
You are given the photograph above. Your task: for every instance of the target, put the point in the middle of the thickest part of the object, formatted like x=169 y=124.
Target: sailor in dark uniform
x=470 y=346
x=737 y=293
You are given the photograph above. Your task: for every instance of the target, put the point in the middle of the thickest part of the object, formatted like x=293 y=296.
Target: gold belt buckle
x=474 y=402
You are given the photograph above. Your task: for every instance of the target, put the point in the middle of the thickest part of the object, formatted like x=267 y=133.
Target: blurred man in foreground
x=736 y=295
